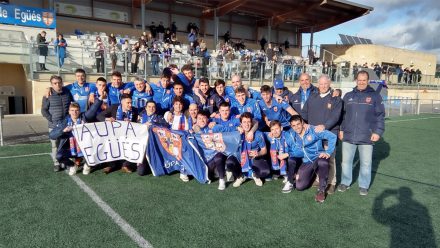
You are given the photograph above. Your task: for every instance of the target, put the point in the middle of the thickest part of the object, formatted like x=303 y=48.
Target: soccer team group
x=284 y=134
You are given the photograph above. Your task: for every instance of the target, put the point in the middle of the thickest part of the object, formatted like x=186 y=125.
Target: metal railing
x=407 y=106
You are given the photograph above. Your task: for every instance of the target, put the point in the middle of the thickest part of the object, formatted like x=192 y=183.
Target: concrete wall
x=361 y=54
x=15 y=76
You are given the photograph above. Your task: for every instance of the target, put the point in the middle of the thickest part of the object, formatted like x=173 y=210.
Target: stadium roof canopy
x=307 y=15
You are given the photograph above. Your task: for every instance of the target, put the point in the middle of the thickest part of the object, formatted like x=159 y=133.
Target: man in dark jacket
x=362 y=125
x=42 y=50
x=54 y=108
x=121 y=112
x=306 y=88
x=68 y=147
x=323 y=111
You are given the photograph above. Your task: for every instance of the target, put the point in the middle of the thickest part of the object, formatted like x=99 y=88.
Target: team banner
x=212 y=143
x=27 y=16
x=110 y=141
x=169 y=151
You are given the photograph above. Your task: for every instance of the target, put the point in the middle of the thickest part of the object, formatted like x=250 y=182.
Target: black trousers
x=260 y=166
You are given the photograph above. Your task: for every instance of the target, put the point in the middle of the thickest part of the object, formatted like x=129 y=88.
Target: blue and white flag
x=212 y=143
x=169 y=150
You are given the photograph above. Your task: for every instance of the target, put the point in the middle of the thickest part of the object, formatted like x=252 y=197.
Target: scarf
x=123 y=116
x=181 y=126
x=75 y=151
x=245 y=162
x=278 y=146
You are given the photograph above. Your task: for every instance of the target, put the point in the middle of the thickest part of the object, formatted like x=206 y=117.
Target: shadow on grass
x=409 y=220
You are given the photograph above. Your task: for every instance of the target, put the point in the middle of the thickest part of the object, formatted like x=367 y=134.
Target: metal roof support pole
x=269 y=30
x=143 y=15
x=215 y=29
x=311 y=38
x=51 y=5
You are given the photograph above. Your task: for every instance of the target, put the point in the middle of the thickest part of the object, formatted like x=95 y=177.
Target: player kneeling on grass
x=68 y=147
x=314 y=158
x=217 y=163
x=253 y=161
x=278 y=150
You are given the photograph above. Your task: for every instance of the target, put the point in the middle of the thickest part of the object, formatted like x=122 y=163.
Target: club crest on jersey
x=227 y=99
x=309 y=137
x=329 y=105
x=368 y=99
x=275 y=109
x=212 y=101
x=86 y=89
x=249 y=109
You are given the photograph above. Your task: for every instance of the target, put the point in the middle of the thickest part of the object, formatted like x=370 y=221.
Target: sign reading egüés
x=26 y=16
x=110 y=141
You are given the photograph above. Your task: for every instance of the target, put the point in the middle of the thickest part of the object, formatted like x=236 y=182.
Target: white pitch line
x=129 y=230
x=426 y=118
x=26 y=155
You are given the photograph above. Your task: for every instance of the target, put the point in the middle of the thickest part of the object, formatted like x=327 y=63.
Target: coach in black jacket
x=323 y=110
x=362 y=125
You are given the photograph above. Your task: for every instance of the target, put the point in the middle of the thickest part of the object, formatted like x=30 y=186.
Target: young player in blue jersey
x=116 y=88
x=273 y=109
x=101 y=92
x=253 y=161
x=244 y=104
x=187 y=79
x=236 y=83
x=218 y=96
x=202 y=99
x=81 y=90
x=161 y=90
x=277 y=150
x=178 y=91
x=139 y=97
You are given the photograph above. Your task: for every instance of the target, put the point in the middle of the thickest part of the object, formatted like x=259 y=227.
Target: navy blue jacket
x=58 y=130
x=323 y=111
x=296 y=98
x=364 y=114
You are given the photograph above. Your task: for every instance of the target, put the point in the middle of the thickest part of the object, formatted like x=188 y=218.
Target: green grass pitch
x=40 y=208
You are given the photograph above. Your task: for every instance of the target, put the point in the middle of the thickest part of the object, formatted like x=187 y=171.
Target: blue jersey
x=250 y=105
x=114 y=94
x=277 y=111
x=231 y=124
x=80 y=94
x=257 y=144
x=230 y=93
x=140 y=99
x=187 y=84
x=167 y=101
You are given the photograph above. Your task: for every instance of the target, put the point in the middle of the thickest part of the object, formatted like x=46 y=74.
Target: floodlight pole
x=215 y=29
x=269 y=29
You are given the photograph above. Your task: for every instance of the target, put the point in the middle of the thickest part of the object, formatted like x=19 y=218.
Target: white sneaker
x=86 y=169
x=229 y=176
x=287 y=188
x=184 y=178
x=285 y=179
x=238 y=182
x=72 y=170
x=221 y=184
x=257 y=181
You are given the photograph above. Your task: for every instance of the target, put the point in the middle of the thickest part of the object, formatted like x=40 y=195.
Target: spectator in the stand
x=377 y=69
x=311 y=55
x=113 y=54
x=263 y=42
x=355 y=70
x=134 y=57
x=153 y=30
x=142 y=59
x=174 y=40
x=399 y=73
x=99 y=55
x=192 y=36
x=126 y=53
x=42 y=50
x=286 y=45
x=227 y=37
x=155 y=59
x=173 y=28
x=167 y=51
x=142 y=40
x=111 y=38
x=167 y=36
x=60 y=48
x=160 y=31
